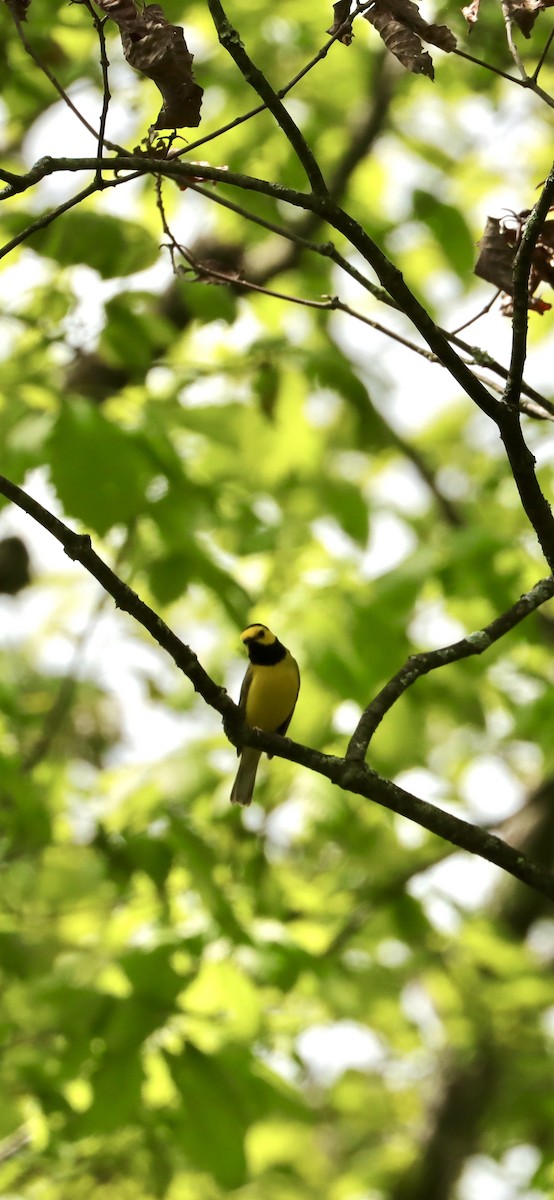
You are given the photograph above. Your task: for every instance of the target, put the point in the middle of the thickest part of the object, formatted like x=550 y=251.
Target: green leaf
x=134 y=332
x=100 y=473
x=348 y=505
x=213 y=1123
x=210 y=303
x=109 y=245
x=172 y=575
x=222 y=1095
x=449 y=226
x=117 y=1098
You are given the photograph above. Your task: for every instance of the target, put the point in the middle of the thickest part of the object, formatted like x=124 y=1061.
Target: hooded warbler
x=267 y=697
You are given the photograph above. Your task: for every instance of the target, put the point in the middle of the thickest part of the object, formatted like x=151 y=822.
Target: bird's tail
x=243 y=786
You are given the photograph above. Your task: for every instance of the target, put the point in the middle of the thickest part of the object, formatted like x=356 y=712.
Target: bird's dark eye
x=259 y=637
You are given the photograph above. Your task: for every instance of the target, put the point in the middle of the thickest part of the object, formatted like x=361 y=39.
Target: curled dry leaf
x=497 y=250
x=341 y=12
x=524 y=13
x=471 y=13
x=402 y=28
x=156 y=48
x=409 y=15
x=496 y=256
x=402 y=42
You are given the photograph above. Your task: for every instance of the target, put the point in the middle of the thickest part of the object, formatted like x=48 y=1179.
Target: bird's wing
x=245 y=687
x=285 y=724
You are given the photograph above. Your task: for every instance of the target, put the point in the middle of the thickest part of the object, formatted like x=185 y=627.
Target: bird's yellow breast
x=272 y=694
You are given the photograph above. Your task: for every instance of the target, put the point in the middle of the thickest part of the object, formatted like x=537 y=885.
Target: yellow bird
x=267 y=698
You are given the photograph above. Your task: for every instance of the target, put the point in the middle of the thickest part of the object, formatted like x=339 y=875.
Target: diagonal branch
x=260 y=108
x=430 y=660
x=78 y=547
x=522 y=462
x=230 y=40
x=349 y=774
x=48 y=217
x=394 y=290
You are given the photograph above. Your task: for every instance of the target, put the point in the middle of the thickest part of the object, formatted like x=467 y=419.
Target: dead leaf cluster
x=523 y=13
x=403 y=30
x=497 y=251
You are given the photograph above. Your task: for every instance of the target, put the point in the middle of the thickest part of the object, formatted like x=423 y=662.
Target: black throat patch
x=266 y=656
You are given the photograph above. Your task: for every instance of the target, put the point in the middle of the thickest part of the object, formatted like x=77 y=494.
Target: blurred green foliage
x=164 y=959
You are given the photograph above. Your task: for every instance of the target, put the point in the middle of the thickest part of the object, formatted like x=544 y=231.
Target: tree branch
x=391 y=279
x=521 y=271
x=522 y=462
x=520 y=458
x=260 y=108
x=231 y=42
x=78 y=547
x=389 y=275
x=347 y=773
x=48 y=217
x=430 y=660
x=528 y=82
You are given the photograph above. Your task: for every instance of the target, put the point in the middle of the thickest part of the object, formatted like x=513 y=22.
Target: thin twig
x=512 y=47
x=29 y=48
x=281 y=93
x=60 y=706
x=421 y=664
x=326 y=304
x=99 y=23
x=527 y=82
x=330 y=303
x=483 y=359
x=47 y=218
x=482 y=312
x=542 y=58
x=486 y=66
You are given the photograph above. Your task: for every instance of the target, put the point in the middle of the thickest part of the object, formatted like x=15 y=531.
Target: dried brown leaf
x=409 y=15
x=19 y=8
x=341 y=12
x=156 y=48
x=496 y=255
x=402 y=42
x=524 y=13
x=471 y=13
x=497 y=250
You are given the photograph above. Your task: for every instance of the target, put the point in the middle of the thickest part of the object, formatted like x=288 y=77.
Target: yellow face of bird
x=258 y=633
